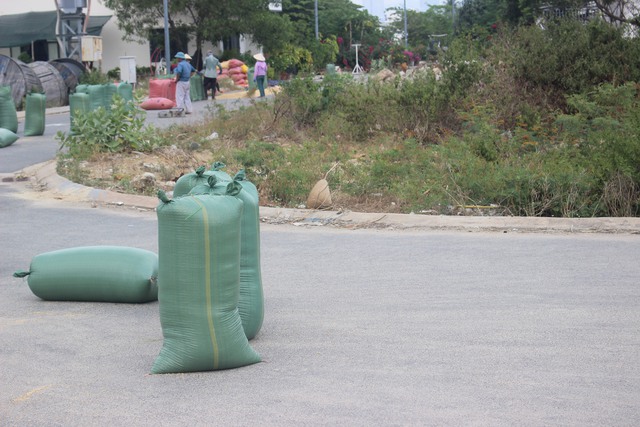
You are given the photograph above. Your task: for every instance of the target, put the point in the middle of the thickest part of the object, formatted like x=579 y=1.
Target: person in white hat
x=183 y=74
x=260 y=72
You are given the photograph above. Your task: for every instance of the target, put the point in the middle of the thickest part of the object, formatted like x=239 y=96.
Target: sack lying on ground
x=199 y=283
x=157 y=104
x=251 y=301
x=7 y=137
x=94 y=273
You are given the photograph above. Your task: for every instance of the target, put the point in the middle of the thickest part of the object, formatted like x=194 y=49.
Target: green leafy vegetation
x=516 y=121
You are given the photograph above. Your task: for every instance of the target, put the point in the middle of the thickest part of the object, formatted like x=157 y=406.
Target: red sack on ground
x=162 y=88
x=235 y=63
x=157 y=104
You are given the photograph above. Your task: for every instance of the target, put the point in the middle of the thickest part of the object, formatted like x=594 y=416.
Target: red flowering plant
x=412 y=58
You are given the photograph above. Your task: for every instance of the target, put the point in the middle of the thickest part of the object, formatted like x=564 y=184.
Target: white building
x=31 y=25
x=113 y=47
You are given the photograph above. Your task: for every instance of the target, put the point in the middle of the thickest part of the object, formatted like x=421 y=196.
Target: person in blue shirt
x=183 y=73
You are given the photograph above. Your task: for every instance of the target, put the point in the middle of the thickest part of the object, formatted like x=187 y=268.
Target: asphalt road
x=361 y=327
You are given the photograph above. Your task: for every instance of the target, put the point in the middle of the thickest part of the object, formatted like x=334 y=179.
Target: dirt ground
x=141 y=173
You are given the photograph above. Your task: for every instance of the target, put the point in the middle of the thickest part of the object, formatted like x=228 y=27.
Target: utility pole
x=316 y=11
x=406 y=33
x=167 y=52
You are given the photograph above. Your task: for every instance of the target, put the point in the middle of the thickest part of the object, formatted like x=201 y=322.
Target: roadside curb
x=45 y=177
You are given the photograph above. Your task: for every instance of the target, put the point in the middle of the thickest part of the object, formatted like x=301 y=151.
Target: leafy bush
x=93 y=77
x=120 y=129
x=571 y=57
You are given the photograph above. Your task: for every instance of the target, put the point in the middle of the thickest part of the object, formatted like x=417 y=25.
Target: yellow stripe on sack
x=207 y=274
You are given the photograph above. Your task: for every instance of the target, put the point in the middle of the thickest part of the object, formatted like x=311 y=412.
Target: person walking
x=183 y=73
x=260 y=72
x=211 y=66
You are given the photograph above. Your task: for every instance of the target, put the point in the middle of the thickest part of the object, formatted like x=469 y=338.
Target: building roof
x=24 y=28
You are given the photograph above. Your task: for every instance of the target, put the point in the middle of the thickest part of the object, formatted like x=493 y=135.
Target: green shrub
x=93 y=77
x=120 y=129
x=571 y=57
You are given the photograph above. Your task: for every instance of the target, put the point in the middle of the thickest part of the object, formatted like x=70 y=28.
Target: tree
x=621 y=11
x=201 y=19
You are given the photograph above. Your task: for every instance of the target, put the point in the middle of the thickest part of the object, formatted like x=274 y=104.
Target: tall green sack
x=94 y=273
x=251 y=302
x=96 y=97
x=8 y=114
x=35 y=110
x=216 y=170
x=196 y=88
x=78 y=102
x=82 y=88
x=199 y=284
x=125 y=90
x=108 y=90
x=188 y=181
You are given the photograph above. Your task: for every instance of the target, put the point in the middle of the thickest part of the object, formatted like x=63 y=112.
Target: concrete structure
x=113 y=45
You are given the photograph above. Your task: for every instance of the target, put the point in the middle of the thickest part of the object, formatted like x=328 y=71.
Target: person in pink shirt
x=260 y=72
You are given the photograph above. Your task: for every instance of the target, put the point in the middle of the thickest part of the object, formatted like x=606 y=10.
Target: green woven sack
x=196 y=88
x=108 y=90
x=216 y=170
x=96 y=97
x=35 y=110
x=94 y=273
x=125 y=90
x=78 y=102
x=82 y=89
x=251 y=302
x=199 y=284
x=188 y=181
x=8 y=114
x=7 y=137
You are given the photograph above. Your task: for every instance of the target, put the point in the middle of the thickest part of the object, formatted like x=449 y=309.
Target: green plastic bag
x=8 y=114
x=7 y=137
x=94 y=273
x=187 y=182
x=199 y=284
x=251 y=302
x=35 y=110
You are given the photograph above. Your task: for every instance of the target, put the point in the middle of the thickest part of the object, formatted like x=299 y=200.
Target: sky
x=377 y=7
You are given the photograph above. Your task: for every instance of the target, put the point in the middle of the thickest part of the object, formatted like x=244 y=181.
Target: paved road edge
x=45 y=177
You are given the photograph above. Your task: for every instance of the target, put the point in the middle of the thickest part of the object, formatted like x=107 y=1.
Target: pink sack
x=162 y=88
x=235 y=63
x=157 y=104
